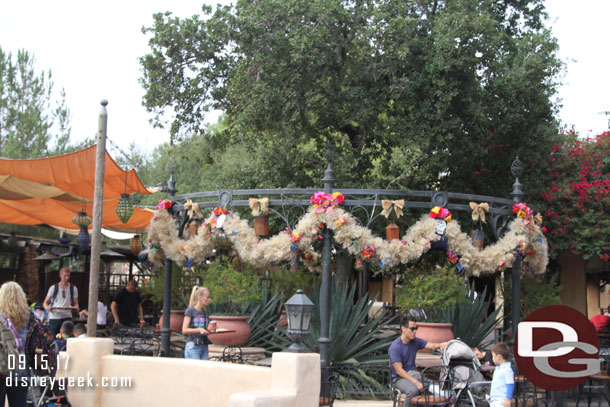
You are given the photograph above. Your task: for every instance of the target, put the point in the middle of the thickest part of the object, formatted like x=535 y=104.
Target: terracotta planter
x=175 y=320
x=283 y=320
x=434 y=332
x=233 y=323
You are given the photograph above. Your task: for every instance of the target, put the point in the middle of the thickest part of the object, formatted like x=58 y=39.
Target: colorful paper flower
x=368 y=252
x=452 y=257
x=438 y=212
x=219 y=210
x=295 y=237
x=326 y=202
x=523 y=211
x=164 y=204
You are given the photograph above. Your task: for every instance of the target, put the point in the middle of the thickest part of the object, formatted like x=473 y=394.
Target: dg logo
x=557 y=348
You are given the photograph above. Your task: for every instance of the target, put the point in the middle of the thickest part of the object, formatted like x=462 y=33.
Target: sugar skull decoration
x=442 y=216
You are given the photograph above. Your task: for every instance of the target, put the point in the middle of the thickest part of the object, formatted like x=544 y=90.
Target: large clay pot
x=434 y=332
x=175 y=320
x=233 y=323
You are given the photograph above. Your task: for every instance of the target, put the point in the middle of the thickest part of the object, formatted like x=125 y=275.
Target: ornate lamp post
x=298 y=311
x=516 y=169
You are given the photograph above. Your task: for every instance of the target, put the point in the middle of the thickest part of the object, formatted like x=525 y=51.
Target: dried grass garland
x=521 y=239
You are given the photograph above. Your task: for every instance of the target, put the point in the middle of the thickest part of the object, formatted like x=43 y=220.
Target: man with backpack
x=60 y=301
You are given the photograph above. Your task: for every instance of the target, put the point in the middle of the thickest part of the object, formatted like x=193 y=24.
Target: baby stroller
x=468 y=381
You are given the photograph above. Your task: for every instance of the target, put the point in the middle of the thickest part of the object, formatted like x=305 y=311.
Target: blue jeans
x=196 y=352
x=15 y=392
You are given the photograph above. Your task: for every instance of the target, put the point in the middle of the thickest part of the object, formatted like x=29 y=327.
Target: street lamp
x=298 y=312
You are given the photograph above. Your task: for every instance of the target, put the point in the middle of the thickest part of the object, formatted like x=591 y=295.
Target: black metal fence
x=360 y=379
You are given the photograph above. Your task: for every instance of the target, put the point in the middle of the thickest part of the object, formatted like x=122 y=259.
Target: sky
x=92 y=49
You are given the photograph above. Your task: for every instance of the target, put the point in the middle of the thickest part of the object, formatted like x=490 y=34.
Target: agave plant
x=471 y=324
x=263 y=321
x=352 y=333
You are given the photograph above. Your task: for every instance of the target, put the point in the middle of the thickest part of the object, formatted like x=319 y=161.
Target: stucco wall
x=293 y=379
x=573 y=282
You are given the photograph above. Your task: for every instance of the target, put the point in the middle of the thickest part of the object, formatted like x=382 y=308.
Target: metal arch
x=225 y=197
x=499 y=220
x=361 y=203
x=358 y=205
x=286 y=215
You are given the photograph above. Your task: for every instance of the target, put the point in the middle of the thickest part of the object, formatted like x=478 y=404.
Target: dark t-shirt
x=405 y=353
x=199 y=319
x=127 y=306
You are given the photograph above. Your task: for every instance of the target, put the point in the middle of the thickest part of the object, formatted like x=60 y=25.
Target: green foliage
x=471 y=324
x=352 y=333
x=432 y=288
x=264 y=317
x=230 y=287
x=412 y=93
x=537 y=291
x=286 y=282
x=183 y=281
x=31 y=123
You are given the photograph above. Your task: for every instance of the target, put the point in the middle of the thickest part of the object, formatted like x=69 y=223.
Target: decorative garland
x=523 y=238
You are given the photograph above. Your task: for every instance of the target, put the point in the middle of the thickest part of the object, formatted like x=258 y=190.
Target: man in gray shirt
x=61 y=300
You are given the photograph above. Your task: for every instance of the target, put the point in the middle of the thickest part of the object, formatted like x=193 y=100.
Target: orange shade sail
x=74 y=174
x=53 y=190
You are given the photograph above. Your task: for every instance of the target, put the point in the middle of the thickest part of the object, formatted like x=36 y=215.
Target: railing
x=363 y=379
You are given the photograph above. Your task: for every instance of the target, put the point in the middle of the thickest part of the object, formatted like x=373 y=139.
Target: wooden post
x=96 y=231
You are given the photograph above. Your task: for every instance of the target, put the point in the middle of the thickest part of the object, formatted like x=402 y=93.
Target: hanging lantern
x=193 y=228
x=82 y=220
x=478 y=236
x=261 y=225
x=83 y=239
x=135 y=244
x=63 y=239
x=124 y=209
x=392 y=231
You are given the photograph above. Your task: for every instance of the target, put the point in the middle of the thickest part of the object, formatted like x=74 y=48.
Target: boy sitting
x=65 y=332
x=80 y=331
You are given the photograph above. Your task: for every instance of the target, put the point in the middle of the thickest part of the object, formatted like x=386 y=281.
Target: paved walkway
x=362 y=403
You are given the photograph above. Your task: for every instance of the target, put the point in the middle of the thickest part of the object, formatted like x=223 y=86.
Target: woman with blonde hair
x=14 y=306
x=195 y=324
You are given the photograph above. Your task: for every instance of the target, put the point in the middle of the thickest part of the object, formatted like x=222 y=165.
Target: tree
x=576 y=201
x=413 y=93
x=31 y=123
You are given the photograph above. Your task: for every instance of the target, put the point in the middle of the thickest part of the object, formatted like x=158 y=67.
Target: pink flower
x=164 y=204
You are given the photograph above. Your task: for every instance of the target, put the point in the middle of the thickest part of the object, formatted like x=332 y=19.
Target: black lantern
x=298 y=312
x=124 y=209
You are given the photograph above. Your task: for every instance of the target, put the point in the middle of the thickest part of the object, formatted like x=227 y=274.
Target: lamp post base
x=297 y=347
